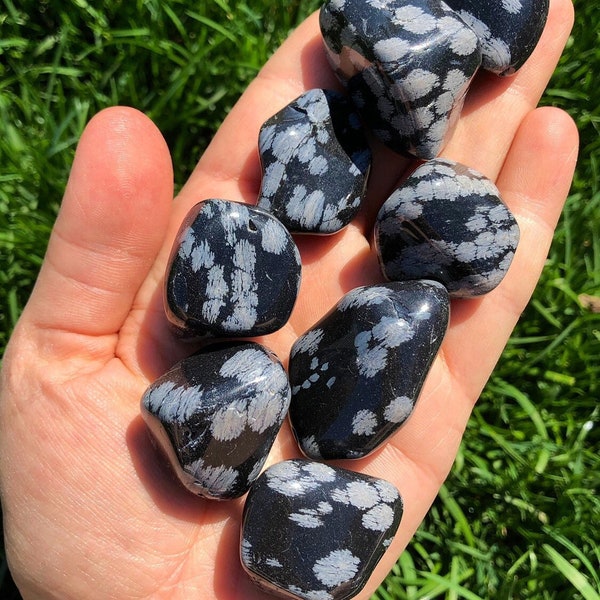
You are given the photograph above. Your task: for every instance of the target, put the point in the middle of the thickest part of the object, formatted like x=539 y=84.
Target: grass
x=519 y=516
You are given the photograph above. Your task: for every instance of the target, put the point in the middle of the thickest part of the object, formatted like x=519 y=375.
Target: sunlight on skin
x=86 y=499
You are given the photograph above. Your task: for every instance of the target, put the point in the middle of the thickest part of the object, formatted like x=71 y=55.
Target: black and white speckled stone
x=327 y=529
x=509 y=30
x=315 y=159
x=447 y=222
x=215 y=415
x=407 y=65
x=357 y=373
x=234 y=272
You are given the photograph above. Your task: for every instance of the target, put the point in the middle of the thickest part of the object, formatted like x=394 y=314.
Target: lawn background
x=519 y=517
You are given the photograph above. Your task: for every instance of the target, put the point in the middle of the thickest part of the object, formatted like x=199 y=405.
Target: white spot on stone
x=318 y=166
x=390 y=332
x=216 y=291
x=391 y=49
x=414 y=19
x=419 y=83
x=340 y=495
x=233 y=217
x=186 y=243
x=309 y=594
x=371 y=361
x=273 y=562
x=273 y=177
x=286 y=478
x=311 y=447
x=286 y=143
x=496 y=53
x=264 y=412
x=462 y=40
x=373 y=346
x=325 y=508
x=247 y=365
x=455 y=80
x=307 y=150
x=514 y=7
x=477 y=222
x=308 y=343
x=336 y=568
x=246 y=551
x=202 y=256
x=362 y=494
x=274 y=237
x=398 y=410
x=310 y=518
x=364 y=423
x=173 y=403
x=229 y=422
x=256 y=469
x=378 y=518
x=387 y=492
x=306 y=520
x=364 y=296
x=319 y=472
x=216 y=479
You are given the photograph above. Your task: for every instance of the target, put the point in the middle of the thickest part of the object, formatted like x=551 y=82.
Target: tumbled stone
x=215 y=415
x=447 y=222
x=407 y=65
x=234 y=272
x=357 y=373
x=315 y=160
x=509 y=30
x=316 y=532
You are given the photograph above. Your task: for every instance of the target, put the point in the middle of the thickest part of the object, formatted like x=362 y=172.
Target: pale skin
x=91 y=510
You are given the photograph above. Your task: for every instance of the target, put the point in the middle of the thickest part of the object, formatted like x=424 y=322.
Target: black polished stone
x=216 y=415
x=315 y=160
x=407 y=66
x=509 y=30
x=234 y=272
x=357 y=373
x=316 y=532
x=447 y=222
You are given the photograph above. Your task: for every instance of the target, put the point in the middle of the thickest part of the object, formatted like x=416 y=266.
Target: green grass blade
x=578 y=579
x=569 y=545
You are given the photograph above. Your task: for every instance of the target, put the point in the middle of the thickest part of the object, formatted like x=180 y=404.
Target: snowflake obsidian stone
x=315 y=161
x=509 y=30
x=357 y=373
x=447 y=222
x=234 y=271
x=216 y=415
x=407 y=65
x=327 y=529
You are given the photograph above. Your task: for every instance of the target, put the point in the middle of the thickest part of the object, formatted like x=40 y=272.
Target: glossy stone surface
x=509 y=30
x=357 y=373
x=407 y=65
x=215 y=415
x=234 y=271
x=316 y=532
x=447 y=222
x=315 y=159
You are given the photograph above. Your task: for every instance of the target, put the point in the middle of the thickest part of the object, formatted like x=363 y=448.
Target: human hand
x=90 y=509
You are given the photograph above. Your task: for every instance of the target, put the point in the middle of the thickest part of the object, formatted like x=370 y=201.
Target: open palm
x=90 y=508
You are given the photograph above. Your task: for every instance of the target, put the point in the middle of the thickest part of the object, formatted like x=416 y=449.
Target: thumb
x=109 y=228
